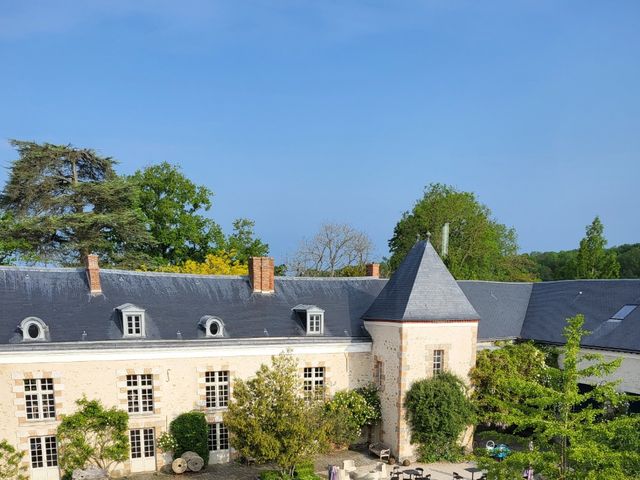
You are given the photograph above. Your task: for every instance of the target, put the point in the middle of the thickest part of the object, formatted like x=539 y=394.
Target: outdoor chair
x=421 y=470
x=457 y=476
x=425 y=477
x=395 y=475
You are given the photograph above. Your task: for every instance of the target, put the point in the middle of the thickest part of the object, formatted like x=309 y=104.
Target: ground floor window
x=44 y=451
x=313 y=382
x=218 y=437
x=142 y=443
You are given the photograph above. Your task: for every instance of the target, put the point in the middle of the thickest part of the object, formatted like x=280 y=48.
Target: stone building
x=159 y=344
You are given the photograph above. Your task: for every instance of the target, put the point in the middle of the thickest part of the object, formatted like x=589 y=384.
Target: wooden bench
x=380 y=450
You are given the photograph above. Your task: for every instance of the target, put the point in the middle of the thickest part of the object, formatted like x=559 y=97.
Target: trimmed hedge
x=191 y=433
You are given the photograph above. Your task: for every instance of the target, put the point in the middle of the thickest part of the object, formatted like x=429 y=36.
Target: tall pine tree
x=69 y=202
x=593 y=260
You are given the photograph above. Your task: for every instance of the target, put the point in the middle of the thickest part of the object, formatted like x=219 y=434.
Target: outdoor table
x=473 y=471
x=411 y=472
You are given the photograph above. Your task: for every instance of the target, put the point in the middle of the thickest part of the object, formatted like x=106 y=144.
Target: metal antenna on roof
x=84 y=335
x=266 y=332
x=179 y=335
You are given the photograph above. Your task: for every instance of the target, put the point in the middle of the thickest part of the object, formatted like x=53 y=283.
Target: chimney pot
x=93 y=274
x=261 y=274
x=373 y=270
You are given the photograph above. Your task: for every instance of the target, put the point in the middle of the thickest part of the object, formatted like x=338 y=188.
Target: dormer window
x=212 y=326
x=313 y=317
x=33 y=329
x=132 y=321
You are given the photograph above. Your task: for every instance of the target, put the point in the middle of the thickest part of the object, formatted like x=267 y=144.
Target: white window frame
x=39 y=397
x=217 y=437
x=43 y=329
x=207 y=321
x=315 y=321
x=217 y=388
x=128 y=313
x=313 y=383
x=43 y=451
x=144 y=443
x=438 y=365
x=140 y=398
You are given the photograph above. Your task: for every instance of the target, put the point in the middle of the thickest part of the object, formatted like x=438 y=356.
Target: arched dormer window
x=133 y=322
x=212 y=326
x=34 y=329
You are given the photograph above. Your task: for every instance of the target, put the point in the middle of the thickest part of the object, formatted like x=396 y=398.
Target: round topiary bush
x=190 y=432
x=438 y=411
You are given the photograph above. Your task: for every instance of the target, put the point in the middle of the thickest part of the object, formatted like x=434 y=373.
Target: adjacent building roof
x=421 y=289
x=551 y=303
x=502 y=307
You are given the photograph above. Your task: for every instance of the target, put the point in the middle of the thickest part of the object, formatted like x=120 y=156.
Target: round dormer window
x=33 y=331
x=214 y=328
x=33 y=328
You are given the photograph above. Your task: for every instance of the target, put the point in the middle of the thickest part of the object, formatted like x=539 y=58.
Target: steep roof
x=421 y=289
x=174 y=302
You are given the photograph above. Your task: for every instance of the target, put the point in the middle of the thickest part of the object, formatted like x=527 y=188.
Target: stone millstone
x=195 y=464
x=179 y=465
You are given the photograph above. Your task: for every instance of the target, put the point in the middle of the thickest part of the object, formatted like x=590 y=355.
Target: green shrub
x=347 y=412
x=438 y=411
x=190 y=432
x=270 y=475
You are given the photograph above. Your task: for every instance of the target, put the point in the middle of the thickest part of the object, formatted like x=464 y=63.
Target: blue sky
x=296 y=112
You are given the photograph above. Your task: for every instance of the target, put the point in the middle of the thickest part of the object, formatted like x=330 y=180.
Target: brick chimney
x=373 y=270
x=261 y=274
x=93 y=274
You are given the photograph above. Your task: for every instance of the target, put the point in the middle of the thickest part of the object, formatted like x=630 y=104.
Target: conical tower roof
x=421 y=289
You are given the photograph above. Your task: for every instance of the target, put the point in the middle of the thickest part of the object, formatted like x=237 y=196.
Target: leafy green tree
x=68 y=202
x=575 y=434
x=11 y=462
x=93 y=435
x=12 y=246
x=593 y=260
x=243 y=242
x=479 y=246
x=347 y=413
x=493 y=367
x=554 y=265
x=270 y=420
x=629 y=259
x=190 y=432
x=438 y=412
x=173 y=206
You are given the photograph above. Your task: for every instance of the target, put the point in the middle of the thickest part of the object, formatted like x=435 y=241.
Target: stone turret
x=421 y=323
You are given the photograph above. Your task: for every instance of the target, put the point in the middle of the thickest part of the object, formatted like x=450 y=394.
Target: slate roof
x=421 y=289
x=174 y=302
x=502 y=307
x=552 y=303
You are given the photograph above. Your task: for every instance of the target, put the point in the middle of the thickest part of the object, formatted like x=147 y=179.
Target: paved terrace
x=364 y=464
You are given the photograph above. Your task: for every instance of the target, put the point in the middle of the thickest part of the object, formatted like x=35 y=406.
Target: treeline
x=561 y=265
x=61 y=203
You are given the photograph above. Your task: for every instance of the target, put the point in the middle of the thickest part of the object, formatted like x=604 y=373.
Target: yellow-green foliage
x=220 y=263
